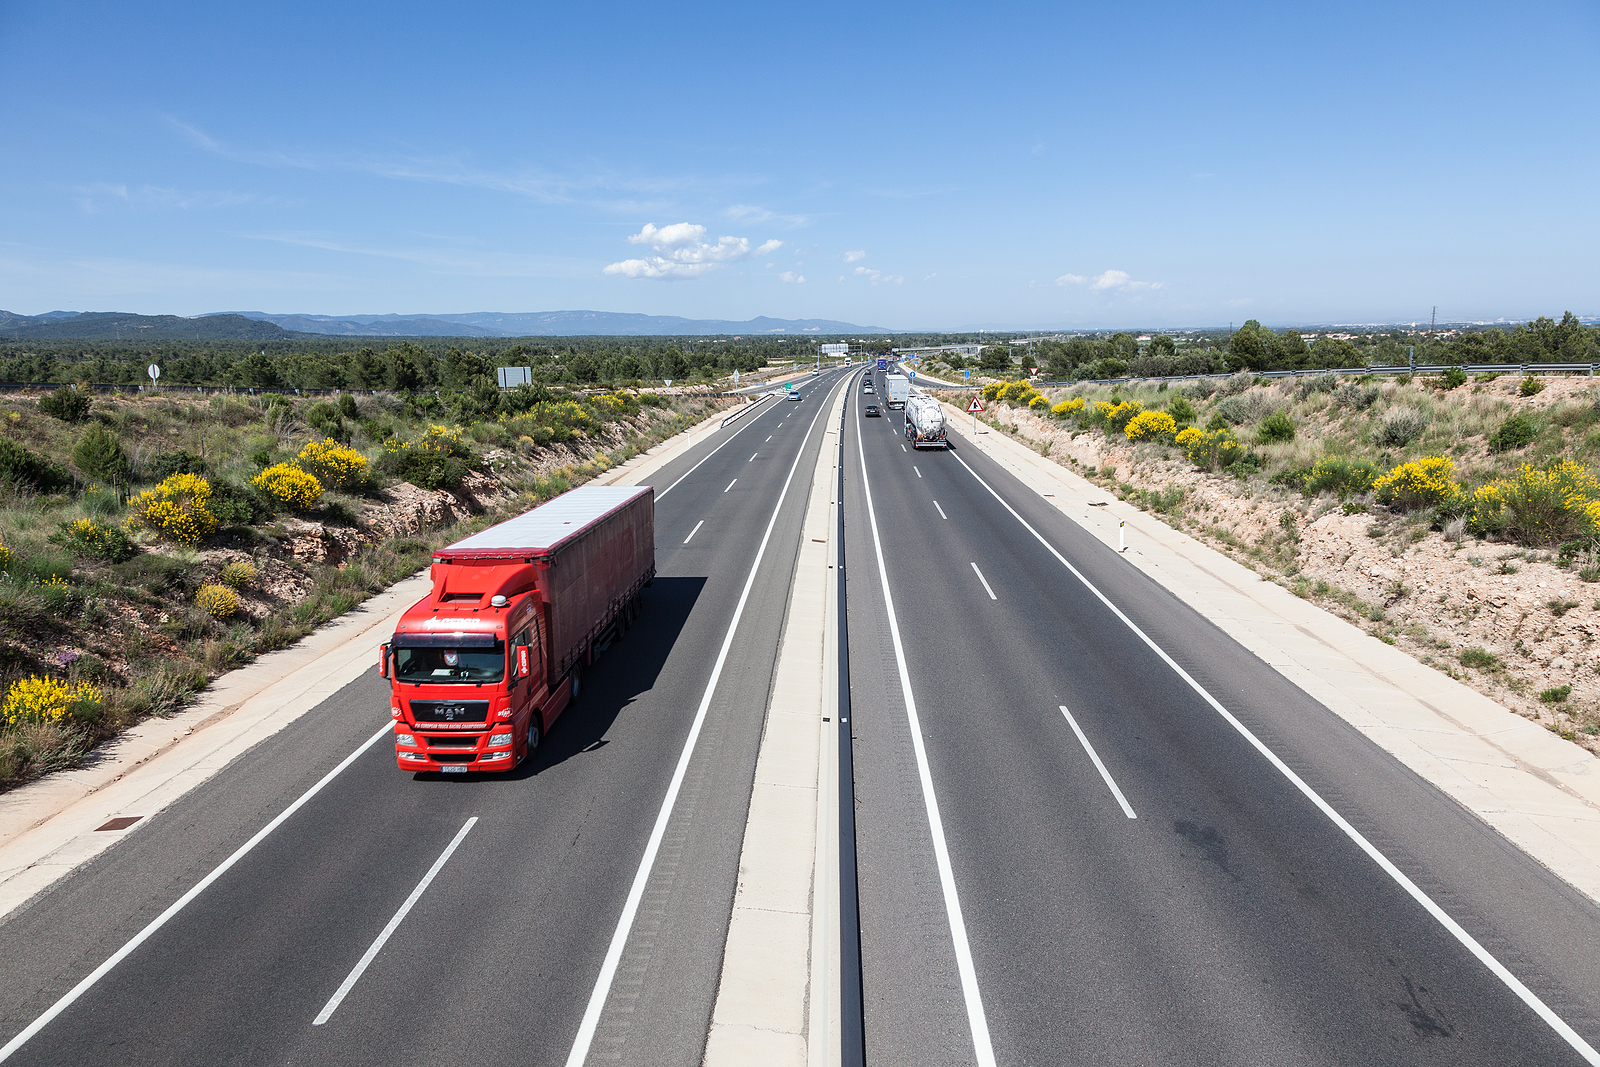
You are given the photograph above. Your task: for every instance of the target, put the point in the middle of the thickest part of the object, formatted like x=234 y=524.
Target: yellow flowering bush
x=288 y=486
x=237 y=573
x=333 y=464
x=218 y=601
x=36 y=699
x=1039 y=403
x=992 y=390
x=1209 y=448
x=176 y=509
x=1068 y=408
x=85 y=537
x=1425 y=482
x=1117 y=416
x=1540 y=507
x=5 y=557
x=1018 y=393
x=1151 y=424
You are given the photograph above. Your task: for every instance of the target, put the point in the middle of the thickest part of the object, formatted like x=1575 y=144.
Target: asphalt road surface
x=1180 y=901
x=499 y=954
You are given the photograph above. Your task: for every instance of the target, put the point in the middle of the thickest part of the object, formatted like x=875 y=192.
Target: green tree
x=99 y=455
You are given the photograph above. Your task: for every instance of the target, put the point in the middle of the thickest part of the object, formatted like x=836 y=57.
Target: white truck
x=925 y=422
x=897 y=387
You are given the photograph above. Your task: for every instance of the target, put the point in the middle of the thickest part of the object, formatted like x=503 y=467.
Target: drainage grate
x=121 y=823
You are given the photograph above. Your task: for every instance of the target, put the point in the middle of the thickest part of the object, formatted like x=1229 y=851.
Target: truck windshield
x=449 y=665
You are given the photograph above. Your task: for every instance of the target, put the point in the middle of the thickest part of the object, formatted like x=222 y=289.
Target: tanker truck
x=925 y=422
x=482 y=666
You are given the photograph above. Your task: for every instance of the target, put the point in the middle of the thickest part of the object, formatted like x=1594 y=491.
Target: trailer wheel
x=576 y=678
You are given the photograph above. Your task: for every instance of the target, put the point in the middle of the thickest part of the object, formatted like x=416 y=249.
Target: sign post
x=975 y=407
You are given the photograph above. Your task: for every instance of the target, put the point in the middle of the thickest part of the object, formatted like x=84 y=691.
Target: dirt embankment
x=1512 y=622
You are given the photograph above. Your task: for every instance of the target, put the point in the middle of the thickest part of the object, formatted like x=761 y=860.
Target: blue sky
x=918 y=165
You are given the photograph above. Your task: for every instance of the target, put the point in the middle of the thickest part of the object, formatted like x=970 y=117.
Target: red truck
x=485 y=663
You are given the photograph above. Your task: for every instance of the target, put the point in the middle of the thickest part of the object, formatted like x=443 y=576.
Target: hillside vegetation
x=1457 y=518
x=151 y=542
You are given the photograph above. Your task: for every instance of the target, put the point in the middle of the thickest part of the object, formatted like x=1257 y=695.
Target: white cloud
x=1109 y=280
x=931 y=277
x=93 y=198
x=753 y=213
x=791 y=276
x=852 y=257
x=877 y=277
x=682 y=252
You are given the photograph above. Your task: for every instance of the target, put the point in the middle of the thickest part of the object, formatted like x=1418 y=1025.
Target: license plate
x=452 y=770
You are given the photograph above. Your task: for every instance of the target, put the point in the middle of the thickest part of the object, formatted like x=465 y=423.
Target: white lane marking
x=630 y=907
x=701 y=523
x=902 y=448
x=355 y=975
x=714 y=451
x=769 y=437
x=917 y=469
x=1127 y=809
x=753 y=455
x=942 y=515
x=985 y=582
x=976 y=1021
x=1498 y=969
x=731 y=484
x=178 y=905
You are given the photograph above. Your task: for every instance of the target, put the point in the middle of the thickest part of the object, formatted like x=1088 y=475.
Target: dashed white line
x=917 y=469
x=902 y=448
x=394 y=923
x=753 y=455
x=731 y=484
x=985 y=582
x=769 y=437
x=942 y=515
x=1127 y=809
x=699 y=524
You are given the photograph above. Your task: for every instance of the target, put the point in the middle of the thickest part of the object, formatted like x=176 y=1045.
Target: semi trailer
x=925 y=422
x=897 y=387
x=484 y=665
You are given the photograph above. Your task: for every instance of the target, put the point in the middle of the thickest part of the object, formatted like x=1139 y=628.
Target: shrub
x=1480 y=658
x=1399 y=428
x=1359 y=397
x=166 y=464
x=1237 y=384
x=992 y=390
x=325 y=417
x=1317 y=383
x=26 y=467
x=1017 y=393
x=36 y=699
x=1556 y=694
x=5 y=557
x=1274 y=429
x=1181 y=410
x=1342 y=475
x=439 y=460
x=1150 y=424
x=99 y=455
x=1068 y=408
x=333 y=464
x=88 y=539
x=239 y=505
x=347 y=406
x=1516 y=432
x=239 y=572
x=1530 y=385
x=1210 y=448
x=1117 y=416
x=1039 y=403
x=218 y=601
x=1291 y=478
x=1538 y=507
x=66 y=404
x=1453 y=378
x=1421 y=483
x=177 y=509
x=287 y=486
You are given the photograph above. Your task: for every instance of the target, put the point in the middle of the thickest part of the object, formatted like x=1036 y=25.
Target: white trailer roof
x=547 y=525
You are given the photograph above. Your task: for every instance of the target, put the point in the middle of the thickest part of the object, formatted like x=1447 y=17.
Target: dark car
x=871 y=411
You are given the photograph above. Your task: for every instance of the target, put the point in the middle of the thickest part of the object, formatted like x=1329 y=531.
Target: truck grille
x=450 y=710
x=455 y=741
x=452 y=757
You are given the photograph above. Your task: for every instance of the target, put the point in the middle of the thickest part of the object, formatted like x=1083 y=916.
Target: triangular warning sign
x=976 y=406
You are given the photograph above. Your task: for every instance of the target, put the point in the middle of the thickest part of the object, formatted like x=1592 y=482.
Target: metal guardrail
x=1523 y=369
x=755 y=402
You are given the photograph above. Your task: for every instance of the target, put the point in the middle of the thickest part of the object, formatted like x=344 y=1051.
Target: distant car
x=869 y=388
x=793 y=395
x=871 y=411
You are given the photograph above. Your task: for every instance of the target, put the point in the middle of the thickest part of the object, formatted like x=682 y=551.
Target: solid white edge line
x=416 y=894
x=942 y=515
x=630 y=907
x=976 y=1020
x=985 y=582
x=713 y=452
x=699 y=524
x=1127 y=809
x=1498 y=969
x=178 y=905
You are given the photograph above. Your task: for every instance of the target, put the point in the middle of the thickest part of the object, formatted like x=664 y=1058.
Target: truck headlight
x=408 y=740
x=413 y=755
x=499 y=739
x=488 y=757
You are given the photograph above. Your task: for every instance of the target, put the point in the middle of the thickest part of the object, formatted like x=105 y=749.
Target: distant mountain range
x=258 y=325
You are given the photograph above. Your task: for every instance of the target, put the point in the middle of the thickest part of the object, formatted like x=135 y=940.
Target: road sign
x=966 y=373
x=788 y=386
x=976 y=406
x=911 y=374
x=154 y=371
x=883 y=364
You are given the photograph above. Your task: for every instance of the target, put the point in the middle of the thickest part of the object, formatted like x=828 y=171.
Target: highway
x=1067 y=854
x=509 y=891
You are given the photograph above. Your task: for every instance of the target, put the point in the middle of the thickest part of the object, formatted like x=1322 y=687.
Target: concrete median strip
x=777 y=1001
x=1539 y=791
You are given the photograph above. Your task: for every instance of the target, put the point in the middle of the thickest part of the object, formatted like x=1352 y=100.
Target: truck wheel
x=576 y=677
x=534 y=735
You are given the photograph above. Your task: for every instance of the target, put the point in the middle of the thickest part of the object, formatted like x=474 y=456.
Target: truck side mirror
x=383 y=661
